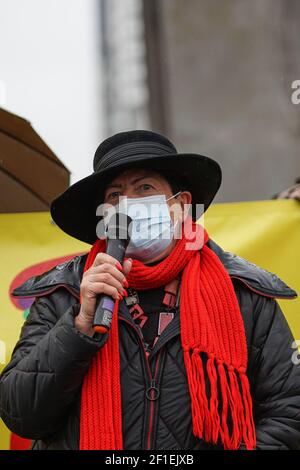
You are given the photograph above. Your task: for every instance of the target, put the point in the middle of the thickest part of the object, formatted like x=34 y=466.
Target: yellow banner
x=266 y=233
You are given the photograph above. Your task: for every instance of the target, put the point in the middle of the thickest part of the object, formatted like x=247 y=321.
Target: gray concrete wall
x=228 y=67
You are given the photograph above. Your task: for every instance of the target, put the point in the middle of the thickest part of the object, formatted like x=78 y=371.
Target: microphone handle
x=105 y=304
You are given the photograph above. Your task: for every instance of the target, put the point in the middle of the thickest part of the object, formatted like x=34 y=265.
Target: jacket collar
x=69 y=274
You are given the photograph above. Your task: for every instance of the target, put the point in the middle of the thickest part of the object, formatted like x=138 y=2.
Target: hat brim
x=74 y=211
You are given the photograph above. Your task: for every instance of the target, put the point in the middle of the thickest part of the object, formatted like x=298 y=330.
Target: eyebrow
x=116 y=185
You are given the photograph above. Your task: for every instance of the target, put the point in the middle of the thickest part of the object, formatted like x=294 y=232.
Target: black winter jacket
x=40 y=388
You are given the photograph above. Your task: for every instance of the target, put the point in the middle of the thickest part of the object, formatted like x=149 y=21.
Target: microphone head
x=119 y=227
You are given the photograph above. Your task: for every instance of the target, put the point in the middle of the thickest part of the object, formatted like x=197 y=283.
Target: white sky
x=50 y=73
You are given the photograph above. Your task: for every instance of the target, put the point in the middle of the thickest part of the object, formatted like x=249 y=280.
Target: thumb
x=127 y=265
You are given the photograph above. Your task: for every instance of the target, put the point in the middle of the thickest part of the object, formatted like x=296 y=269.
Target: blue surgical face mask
x=152 y=226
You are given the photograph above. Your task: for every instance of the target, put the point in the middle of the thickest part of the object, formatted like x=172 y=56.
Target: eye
x=113 y=195
x=146 y=187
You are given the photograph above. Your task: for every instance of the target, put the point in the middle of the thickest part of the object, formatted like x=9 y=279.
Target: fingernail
x=119 y=266
x=120 y=297
x=125 y=283
x=125 y=293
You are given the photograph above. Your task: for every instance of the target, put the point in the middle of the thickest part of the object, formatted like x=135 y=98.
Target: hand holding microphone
x=105 y=281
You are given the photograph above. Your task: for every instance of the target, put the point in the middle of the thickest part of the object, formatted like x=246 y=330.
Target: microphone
x=117 y=237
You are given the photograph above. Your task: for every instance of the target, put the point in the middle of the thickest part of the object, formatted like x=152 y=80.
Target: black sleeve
x=274 y=378
x=46 y=370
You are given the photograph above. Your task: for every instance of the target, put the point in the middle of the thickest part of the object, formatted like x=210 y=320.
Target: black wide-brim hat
x=74 y=211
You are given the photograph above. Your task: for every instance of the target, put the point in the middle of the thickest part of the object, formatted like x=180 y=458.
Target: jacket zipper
x=261 y=292
x=152 y=388
x=153 y=398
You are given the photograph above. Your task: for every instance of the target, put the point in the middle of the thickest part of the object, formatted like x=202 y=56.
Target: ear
x=185 y=200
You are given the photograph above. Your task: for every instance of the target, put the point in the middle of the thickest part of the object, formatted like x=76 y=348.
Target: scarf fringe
x=228 y=421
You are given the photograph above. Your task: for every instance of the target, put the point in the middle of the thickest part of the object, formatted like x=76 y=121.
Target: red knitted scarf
x=214 y=349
